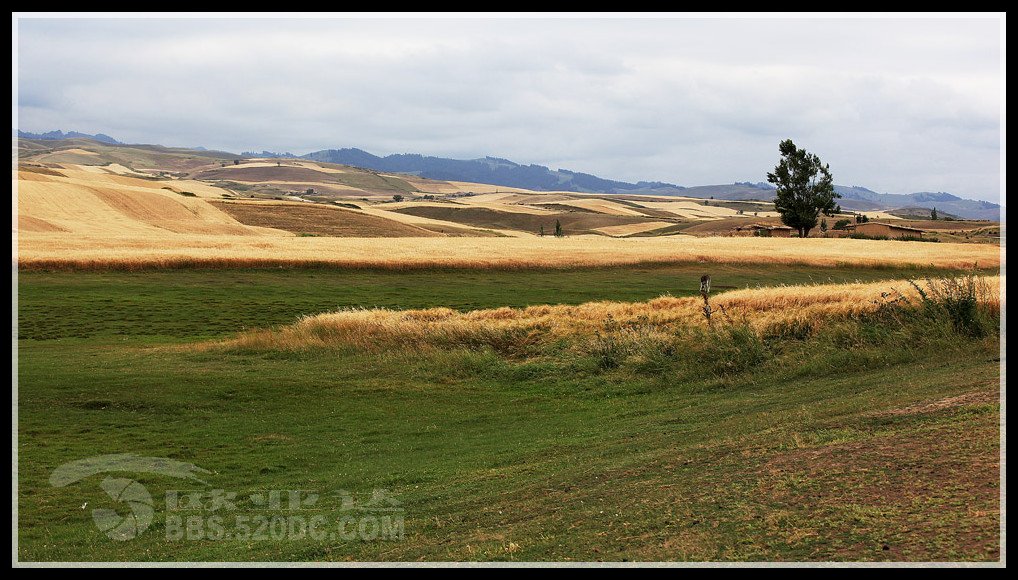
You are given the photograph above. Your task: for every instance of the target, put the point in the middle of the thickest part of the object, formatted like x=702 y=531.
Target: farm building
x=775 y=231
x=885 y=230
x=764 y=230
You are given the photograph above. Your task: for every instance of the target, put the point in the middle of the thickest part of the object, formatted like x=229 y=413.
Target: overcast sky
x=896 y=105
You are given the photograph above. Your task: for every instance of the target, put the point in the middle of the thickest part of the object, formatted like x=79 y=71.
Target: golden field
x=765 y=310
x=167 y=249
x=89 y=216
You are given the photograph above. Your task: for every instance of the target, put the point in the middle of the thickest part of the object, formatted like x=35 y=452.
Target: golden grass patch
x=630 y=229
x=84 y=203
x=693 y=210
x=601 y=206
x=765 y=310
x=110 y=247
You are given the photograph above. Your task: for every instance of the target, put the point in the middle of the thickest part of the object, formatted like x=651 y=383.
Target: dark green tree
x=823 y=225
x=805 y=188
x=933 y=214
x=541 y=233
x=397 y=198
x=558 y=229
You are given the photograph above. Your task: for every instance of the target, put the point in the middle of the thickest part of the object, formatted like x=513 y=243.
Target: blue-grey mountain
x=497 y=171
x=57 y=135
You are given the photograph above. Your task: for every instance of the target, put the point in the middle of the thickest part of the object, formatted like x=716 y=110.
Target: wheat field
x=71 y=217
x=765 y=310
x=162 y=248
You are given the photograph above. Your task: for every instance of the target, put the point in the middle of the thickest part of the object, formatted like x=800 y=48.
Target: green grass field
x=876 y=444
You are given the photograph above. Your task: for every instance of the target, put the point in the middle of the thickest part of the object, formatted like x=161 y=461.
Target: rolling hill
x=499 y=171
x=642 y=208
x=505 y=173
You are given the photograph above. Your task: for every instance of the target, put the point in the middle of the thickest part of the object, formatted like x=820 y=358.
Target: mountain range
x=57 y=135
x=497 y=171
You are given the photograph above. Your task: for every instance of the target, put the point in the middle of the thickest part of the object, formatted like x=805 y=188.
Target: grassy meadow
x=874 y=437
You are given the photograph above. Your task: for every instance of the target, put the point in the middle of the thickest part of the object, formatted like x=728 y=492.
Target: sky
x=893 y=104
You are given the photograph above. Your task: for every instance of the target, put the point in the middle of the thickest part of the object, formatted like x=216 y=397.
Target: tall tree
x=558 y=229
x=933 y=214
x=805 y=188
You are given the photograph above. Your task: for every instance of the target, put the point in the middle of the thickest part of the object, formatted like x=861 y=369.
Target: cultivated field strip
x=164 y=249
x=771 y=310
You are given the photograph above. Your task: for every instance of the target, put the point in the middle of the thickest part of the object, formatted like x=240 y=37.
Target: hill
x=498 y=171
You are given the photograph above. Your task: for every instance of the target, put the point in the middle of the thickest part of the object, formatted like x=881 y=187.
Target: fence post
x=705 y=293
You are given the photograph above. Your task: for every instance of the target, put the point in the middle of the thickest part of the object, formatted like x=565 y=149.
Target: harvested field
x=163 y=249
x=572 y=222
x=440 y=226
x=467 y=202
x=630 y=229
x=32 y=224
x=84 y=203
x=693 y=210
x=264 y=173
x=600 y=206
x=319 y=220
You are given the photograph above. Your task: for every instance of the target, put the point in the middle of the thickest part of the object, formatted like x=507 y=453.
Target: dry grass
x=777 y=310
x=601 y=206
x=162 y=248
x=319 y=220
x=77 y=218
x=81 y=204
x=630 y=229
x=698 y=211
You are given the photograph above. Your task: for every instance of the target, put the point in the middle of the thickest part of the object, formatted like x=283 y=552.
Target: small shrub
x=726 y=350
x=958 y=299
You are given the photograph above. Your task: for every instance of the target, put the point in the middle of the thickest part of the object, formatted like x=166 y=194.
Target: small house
x=774 y=231
x=885 y=230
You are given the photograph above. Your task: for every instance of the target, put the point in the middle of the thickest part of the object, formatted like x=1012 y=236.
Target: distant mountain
x=497 y=171
x=920 y=213
x=857 y=198
x=491 y=170
x=946 y=203
x=55 y=135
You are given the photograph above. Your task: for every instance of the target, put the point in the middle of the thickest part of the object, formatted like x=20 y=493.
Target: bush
x=733 y=349
x=615 y=342
x=959 y=300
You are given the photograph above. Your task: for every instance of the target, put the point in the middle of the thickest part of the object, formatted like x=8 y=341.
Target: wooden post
x=705 y=293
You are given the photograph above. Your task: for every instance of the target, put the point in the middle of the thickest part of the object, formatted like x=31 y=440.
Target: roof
x=766 y=226
x=894 y=226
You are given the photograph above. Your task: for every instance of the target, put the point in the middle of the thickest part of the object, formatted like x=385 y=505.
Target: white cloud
x=897 y=105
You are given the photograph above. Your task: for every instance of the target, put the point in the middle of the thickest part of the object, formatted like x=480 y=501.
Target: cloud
x=897 y=105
